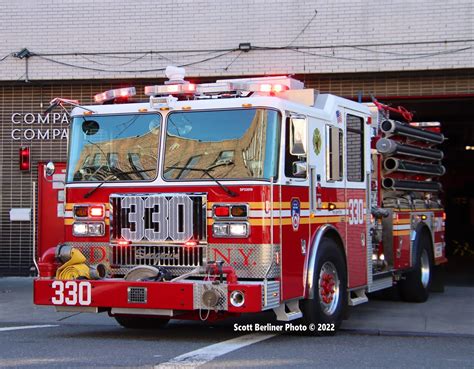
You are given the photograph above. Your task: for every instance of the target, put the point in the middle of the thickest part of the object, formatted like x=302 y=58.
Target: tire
x=136 y=322
x=415 y=285
x=328 y=306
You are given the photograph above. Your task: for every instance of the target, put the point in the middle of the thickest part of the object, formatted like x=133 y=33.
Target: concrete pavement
x=449 y=313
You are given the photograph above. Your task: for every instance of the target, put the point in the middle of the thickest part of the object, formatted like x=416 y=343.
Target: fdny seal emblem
x=295 y=214
x=316 y=141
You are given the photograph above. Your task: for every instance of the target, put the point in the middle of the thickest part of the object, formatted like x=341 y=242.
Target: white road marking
x=6 y=329
x=203 y=355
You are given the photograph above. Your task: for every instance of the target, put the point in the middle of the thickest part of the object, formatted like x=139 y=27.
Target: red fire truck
x=241 y=196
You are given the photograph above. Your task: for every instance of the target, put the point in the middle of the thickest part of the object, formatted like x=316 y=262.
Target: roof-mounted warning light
x=109 y=95
x=240 y=87
x=182 y=89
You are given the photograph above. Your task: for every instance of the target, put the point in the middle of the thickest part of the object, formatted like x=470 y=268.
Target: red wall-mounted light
x=25 y=158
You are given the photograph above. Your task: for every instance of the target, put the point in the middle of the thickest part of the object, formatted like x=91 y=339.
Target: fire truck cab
x=240 y=196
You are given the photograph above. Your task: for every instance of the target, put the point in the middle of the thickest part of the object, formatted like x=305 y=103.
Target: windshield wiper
x=119 y=172
x=206 y=171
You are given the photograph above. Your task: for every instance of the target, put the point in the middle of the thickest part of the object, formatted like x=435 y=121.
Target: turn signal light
x=230 y=211
x=221 y=211
x=239 y=211
x=96 y=211
x=89 y=211
x=81 y=211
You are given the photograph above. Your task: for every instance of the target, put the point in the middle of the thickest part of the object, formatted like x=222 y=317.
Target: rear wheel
x=135 y=322
x=415 y=285
x=327 y=307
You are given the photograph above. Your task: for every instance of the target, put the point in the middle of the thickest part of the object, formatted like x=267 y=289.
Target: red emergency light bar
x=186 y=88
x=114 y=94
x=264 y=84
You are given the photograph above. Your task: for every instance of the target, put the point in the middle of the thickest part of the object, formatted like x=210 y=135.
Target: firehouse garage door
x=457 y=121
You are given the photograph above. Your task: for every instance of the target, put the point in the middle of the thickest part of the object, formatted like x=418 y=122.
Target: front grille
x=162 y=255
x=163 y=218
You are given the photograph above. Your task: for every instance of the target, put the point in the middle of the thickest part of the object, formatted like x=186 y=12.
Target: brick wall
x=346 y=36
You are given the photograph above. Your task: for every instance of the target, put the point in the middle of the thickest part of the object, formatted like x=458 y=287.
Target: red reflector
x=221 y=211
x=96 y=212
x=369 y=121
x=190 y=244
x=25 y=158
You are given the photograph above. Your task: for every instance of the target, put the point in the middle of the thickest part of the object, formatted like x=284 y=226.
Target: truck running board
x=289 y=310
x=360 y=297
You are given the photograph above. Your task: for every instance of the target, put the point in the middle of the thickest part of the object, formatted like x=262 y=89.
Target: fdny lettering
x=98 y=254
x=171 y=218
x=234 y=256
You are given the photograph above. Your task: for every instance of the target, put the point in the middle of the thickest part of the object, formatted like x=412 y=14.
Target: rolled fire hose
x=74 y=268
x=74 y=265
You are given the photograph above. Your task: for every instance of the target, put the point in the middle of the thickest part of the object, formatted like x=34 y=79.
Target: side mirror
x=49 y=169
x=299 y=169
x=298 y=139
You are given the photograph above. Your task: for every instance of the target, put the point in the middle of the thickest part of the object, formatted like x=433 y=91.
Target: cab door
x=294 y=212
x=357 y=170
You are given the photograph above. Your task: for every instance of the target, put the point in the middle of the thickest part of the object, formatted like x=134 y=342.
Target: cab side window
x=355 y=148
x=289 y=159
x=334 y=154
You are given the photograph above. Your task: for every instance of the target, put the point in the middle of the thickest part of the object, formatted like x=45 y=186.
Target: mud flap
x=437 y=281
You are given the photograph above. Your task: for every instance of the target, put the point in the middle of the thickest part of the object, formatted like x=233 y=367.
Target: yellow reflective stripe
x=401 y=233
x=69 y=221
x=402 y=221
x=70 y=205
x=252 y=205
x=418 y=210
x=266 y=222
x=287 y=205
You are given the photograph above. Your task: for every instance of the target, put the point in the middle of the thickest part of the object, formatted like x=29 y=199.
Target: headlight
x=220 y=229
x=238 y=230
x=241 y=229
x=93 y=229
x=79 y=229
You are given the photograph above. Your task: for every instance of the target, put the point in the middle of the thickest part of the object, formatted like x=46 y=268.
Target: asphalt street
x=65 y=340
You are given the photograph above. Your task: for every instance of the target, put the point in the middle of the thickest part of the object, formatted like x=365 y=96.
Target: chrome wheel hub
x=329 y=291
x=425 y=268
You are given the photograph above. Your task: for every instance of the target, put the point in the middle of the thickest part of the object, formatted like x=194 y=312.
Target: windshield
x=114 y=148
x=227 y=144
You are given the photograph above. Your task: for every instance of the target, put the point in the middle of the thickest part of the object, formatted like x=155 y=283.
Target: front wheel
x=415 y=285
x=135 y=322
x=327 y=307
